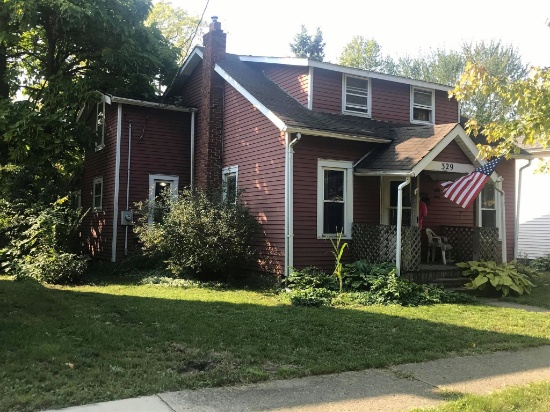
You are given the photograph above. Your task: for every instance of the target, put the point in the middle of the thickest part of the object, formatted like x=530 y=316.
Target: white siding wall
x=534 y=219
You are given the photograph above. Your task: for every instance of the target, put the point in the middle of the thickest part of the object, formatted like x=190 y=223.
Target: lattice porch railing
x=376 y=244
x=472 y=243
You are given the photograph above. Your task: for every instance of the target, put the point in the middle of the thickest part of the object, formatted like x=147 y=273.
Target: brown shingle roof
x=409 y=147
x=292 y=113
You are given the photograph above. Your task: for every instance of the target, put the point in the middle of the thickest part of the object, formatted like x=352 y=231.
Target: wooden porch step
x=449 y=282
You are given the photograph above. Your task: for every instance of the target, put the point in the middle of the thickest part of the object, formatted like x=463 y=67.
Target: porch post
x=498 y=187
x=399 y=223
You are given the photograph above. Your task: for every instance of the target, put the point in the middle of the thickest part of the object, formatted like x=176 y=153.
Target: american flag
x=463 y=191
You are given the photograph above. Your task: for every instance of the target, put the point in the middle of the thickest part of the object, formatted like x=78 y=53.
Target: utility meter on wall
x=127 y=217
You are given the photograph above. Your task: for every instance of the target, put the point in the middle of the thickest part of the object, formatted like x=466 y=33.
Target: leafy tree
x=181 y=29
x=524 y=105
x=57 y=53
x=438 y=66
x=366 y=54
x=310 y=47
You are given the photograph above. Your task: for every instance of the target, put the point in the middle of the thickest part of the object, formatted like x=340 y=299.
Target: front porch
x=377 y=244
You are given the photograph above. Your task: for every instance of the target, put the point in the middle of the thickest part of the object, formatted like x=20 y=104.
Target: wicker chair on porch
x=434 y=242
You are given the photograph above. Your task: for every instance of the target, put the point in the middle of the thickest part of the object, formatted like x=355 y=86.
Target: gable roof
x=291 y=116
x=294 y=61
x=414 y=147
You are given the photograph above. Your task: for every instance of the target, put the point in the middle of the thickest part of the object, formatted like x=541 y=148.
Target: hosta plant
x=490 y=276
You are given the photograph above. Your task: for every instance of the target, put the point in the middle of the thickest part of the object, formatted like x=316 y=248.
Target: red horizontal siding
x=446 y=109
x=452 y=153
x=97 y=227
x=161 y=144
x=293 y=80
x=308 y=250
x=507 y=170
x=256 y=146
x=390 y=101
x=327 y=91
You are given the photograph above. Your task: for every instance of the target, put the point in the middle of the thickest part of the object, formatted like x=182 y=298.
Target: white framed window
x=160 y=186
x=422 y=105
x=489 y=207
x=334 y=198
x=389 y=202
x=230 y=176
x=100 y=125
x=97 y=194
x=356 y=95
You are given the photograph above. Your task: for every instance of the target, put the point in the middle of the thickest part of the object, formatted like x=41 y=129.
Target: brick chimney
x=209 y=142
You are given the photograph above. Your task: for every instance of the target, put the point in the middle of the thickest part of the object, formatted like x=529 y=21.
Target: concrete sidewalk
x=399 y=388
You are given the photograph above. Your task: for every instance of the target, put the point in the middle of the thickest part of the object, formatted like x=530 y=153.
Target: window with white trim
x=488 y=206
x=97 y=194
x=422 y=105
x=334 y=198
x=100 y=126
x=356 y=97
x=230 y=183
x=161 y=188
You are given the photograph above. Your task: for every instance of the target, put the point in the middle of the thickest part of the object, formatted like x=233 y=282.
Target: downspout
x=399 y=223
x=502 y=220
x=289 y=201
x=128 y=185
x=518 y=203
x=191 y=180
x=117 y=182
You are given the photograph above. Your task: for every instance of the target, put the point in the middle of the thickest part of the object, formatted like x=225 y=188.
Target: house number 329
x=447 y=167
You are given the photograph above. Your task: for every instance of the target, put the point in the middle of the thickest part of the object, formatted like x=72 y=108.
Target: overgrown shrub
x=360 y=275
x=491 y=277
x=312 y=297
x=312 y=278
x=366 y=284
x=541 y=263
x=201 y=234
x=44 y=244
x=58 y=268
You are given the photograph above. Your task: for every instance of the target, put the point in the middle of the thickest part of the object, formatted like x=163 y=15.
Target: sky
x=265 y=28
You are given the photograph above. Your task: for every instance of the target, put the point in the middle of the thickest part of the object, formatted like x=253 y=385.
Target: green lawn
x=64 y=346
x=540 y=294
x=530 y=398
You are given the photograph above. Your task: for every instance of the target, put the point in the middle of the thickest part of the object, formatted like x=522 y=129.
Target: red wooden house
x=316 y=148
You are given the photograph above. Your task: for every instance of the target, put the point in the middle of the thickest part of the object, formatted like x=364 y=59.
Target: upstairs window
x=229 y=180
x=422 y=105
x=356 y=96
x=100 y=126
x=97 y=193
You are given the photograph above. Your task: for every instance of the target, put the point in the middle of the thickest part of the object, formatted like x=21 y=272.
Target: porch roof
x=414 y=148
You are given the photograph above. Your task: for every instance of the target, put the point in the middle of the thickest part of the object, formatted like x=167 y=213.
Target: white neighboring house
x=534 y=206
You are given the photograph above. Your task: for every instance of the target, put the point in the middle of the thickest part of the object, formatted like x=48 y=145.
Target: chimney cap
x=214 y=19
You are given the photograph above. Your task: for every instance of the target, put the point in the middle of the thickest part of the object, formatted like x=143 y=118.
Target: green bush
x=359 y=275
x=62 y=268
x=44 y=244
x=366 y=284
x=311 y=278
x=541 y=263
x=491 y=277
x=312 y=297
x=201 y=234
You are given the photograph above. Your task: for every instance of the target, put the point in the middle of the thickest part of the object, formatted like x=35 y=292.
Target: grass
x=530 y=398
x=64 y=346
x=540 y=294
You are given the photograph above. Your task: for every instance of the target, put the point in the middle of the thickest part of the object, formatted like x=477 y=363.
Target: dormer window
x=422 y=105
x=356 y=96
